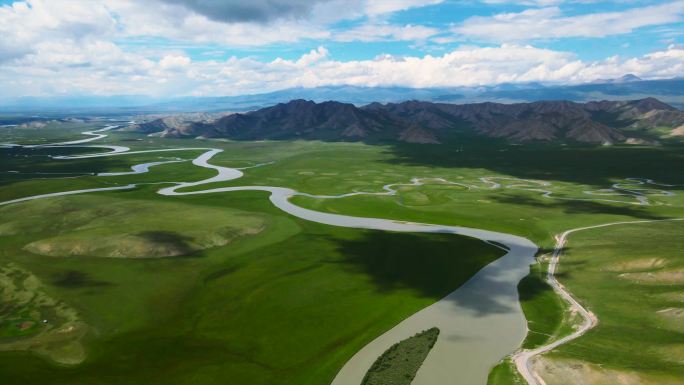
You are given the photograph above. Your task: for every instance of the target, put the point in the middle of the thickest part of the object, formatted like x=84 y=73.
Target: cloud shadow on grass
x=76 y=279
x=434 y=265
x=579 y=206
x=584 y=164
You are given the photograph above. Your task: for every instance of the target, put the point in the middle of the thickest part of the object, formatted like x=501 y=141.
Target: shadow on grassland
x=75 y=279
x=434 y=265
x=172 y=242
x=597 y=166
x=579 y=207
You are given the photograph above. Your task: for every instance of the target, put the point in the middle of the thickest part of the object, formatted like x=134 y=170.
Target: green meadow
x=224 y=288
x=632 y=277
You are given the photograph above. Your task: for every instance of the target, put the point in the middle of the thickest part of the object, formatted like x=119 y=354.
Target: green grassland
x=31 y=320
x=53 y=131
x=236 y=306
x=286 y=301
x=632 y=278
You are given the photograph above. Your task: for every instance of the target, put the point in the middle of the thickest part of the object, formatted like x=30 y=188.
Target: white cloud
x=378 y=7
x=315 y=55
x=24 y=26
x=68 y=47
x=549 y=23
x=383 y=32
x=174 y=62
x=661 y=64
x=111 y=71
x=543 y=3
x=172 y=21
x=175 y=22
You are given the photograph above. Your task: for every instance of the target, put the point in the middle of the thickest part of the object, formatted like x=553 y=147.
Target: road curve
x=523 y=358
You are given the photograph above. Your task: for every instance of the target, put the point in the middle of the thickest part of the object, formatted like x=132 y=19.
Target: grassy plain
x=632 y=277
x=235 y=310
x=238 y=312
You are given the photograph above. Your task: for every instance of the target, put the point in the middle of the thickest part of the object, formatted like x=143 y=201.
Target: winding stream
x=480 y=323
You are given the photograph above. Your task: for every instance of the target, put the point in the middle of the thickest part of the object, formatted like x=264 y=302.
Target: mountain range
x=627 y=87
x=601 y=122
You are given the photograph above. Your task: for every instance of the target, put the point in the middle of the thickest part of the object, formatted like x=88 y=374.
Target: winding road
x=523 y=358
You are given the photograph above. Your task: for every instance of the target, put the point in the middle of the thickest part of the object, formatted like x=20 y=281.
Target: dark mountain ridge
x=600 y=122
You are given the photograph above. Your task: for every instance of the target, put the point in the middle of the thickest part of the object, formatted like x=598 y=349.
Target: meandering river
x=480 y=323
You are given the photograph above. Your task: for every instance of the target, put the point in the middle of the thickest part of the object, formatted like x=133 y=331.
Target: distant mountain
x=427 y=122
x=628 y=87
x=346 y=94
x=623 y=79
x=185 y=124
x=670 y=91
x=629 y=78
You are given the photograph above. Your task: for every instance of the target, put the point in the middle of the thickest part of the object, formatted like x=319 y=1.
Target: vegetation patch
x=32 y=320
x=547 y=315
x=505 y=373
x=400 y=363
x=108 y=227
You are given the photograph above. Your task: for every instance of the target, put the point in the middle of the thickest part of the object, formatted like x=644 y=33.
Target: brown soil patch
x=638 y=264
x=673 y=353
x=676 y=296
x=26 y=325
x=673 y=318
x=679 y=131
x=576 y=372
x=675 y=276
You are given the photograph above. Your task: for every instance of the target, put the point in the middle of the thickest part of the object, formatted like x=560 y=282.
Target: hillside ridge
x=600 y=122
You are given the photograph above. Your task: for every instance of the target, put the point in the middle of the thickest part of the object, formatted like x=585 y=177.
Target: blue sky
x=228 y=47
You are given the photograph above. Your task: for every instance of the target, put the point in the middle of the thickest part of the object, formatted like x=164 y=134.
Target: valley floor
x=150 y=298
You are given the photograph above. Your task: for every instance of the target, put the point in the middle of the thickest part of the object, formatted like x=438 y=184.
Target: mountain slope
x=430 y=123
x=301 y=119
x=190 y=124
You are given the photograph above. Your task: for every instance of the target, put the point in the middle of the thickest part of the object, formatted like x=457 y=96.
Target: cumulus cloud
x=57 y=47
x=315 y=55
x=549 y=23
x=114 y=72
x=174 y=62
x=24 y=26
x=174 y=22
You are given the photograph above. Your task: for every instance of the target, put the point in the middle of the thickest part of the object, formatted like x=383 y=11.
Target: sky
x=171 y=48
